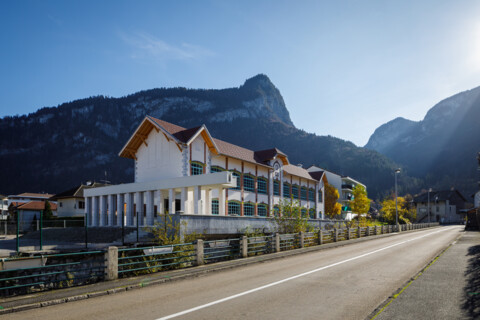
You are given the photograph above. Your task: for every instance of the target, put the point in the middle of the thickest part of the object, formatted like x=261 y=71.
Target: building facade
x=187 y=171
x=444 y=206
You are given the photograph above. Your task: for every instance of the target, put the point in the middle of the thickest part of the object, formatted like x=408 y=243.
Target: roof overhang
x=207 y=137
x=140 y=135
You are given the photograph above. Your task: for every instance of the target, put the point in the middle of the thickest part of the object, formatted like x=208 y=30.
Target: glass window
x=248 y=209
x=295 y=192
x=237 y=175
x=276 y=188
x=262 y=185
x=214 y=169
x=233 y=208
x=304 y=212
x=215 y=206
x=196 y=168
x=262 y=210
x=303 y=193
x=248 y=183
x=311 y=194
x=320 y=196
x=276 y=211
x=286 y=189
x=312 y=213
x=81 y=205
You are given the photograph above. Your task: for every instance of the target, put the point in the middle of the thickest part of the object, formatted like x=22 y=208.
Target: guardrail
x=33 y=274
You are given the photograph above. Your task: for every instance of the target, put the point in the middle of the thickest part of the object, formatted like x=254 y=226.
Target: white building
x=189 y=171
x=3 y=207
x=344 y=185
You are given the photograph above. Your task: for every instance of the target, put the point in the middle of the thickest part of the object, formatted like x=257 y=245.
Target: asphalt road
x=346 y=282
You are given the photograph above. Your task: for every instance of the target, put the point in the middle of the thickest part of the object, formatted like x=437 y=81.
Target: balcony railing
x=347 y=186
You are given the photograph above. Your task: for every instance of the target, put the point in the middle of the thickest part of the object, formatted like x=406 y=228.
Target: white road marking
x=293 y=277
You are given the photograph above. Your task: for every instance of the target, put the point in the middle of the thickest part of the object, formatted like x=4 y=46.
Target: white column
x=129 y=213
x=95 y=211
x=221 y=201
x=183 y=200
x=171 y=201
x=139 y=208
x=161 y=202
x=88 y=210
x=103 y=210
x=111 y=210
x=317 y=203
x=207 y=206
x=120 y=208
x=150 y=207
x=197 y=195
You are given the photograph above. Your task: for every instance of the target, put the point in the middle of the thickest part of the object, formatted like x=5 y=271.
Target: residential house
x=444 y=206
x=30 y=212
x=71 y=203
x=190 y=172
x=3 y=207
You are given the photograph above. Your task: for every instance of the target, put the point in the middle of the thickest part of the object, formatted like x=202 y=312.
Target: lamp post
x=428 y=206
x=397 y=171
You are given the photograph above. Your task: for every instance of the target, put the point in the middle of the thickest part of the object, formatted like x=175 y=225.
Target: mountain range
x=56 y=148
x=441 y=149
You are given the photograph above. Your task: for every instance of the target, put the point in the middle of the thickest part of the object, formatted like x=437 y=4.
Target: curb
x=170 y=276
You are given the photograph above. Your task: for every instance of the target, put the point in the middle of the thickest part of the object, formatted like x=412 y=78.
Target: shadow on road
x=471 y=303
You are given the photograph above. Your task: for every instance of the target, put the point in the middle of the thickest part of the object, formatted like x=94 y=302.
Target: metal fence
x=220 y=250
x=23 y=275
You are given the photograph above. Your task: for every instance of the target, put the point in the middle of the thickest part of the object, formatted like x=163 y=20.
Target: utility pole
x=396 y=196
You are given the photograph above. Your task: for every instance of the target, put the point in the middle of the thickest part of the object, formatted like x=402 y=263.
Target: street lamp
x=397 y=171
x=428 y=206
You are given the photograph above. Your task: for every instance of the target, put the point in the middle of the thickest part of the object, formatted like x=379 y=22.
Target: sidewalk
x=448 y=289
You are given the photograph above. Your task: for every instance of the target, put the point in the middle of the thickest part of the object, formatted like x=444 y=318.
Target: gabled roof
x=270 y=154
x=36 y=205
x=297 y=171
x=317 y=175
x=441 y=195
x=76 y=192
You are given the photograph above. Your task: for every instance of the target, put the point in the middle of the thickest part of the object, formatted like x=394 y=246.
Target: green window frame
x=311 y=194
x=262 y=185
x=295 y=191
x=304 y=212
x=248 y=183
x=262 y=210
x=239 y=176
x=215 y=210
x=286 y=189
x=311 y=213
x=320 y=196
x=276 y=188
x=196 y=168
x=214 y=169
x=303 y=193
x=248 y=209
x=233 y=208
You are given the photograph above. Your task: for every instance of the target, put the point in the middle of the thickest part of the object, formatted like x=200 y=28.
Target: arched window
x=303 y=193
x=248 y=209
x=196 y=168
x=248 y=183
x=262 y=185
x=276 y=188
x=214 y=169
x=286 y=189
x=233 y=208
x=295 y=191
x=276 y=211
x=262 y=210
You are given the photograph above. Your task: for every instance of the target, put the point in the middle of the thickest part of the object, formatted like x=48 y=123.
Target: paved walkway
x=448 y=289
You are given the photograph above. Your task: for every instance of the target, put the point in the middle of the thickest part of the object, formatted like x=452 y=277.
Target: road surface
x=346 y=282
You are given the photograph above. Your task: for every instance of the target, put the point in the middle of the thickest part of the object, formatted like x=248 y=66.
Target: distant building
x=71 y=203
x=445 y=206
x=25 y=197
x=30 y=211
x=344 y=185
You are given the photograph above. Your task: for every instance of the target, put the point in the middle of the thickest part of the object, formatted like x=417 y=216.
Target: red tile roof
x=37 y=205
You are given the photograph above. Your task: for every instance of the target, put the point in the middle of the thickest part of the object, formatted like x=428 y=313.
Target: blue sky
x=343 y=67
